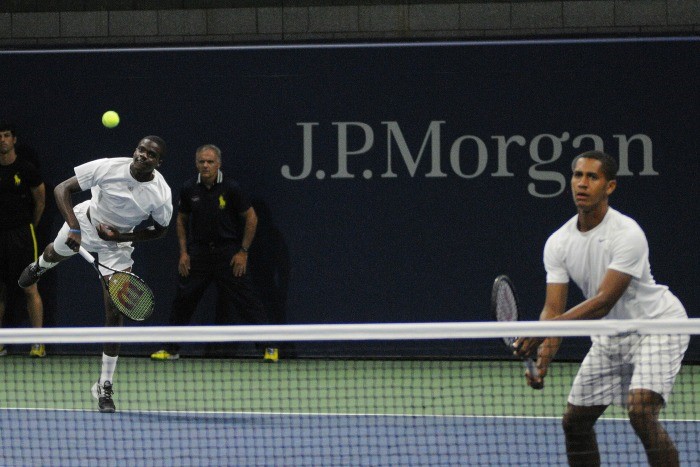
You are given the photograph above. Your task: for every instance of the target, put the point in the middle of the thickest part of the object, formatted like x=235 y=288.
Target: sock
x=45 y=264
x=109 y=364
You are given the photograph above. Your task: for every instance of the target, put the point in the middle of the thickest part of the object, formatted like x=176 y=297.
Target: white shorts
x=627 y=362
x=116 y=255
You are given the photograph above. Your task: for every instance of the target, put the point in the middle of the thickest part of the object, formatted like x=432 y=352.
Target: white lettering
x=469 y=155
x=343 y=150
x=623 y=153
x=503 y=144
x=432 y=135
x=550 y=176
x=481 y=156
x=307 y=155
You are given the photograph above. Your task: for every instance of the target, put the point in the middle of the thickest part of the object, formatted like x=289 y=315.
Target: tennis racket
x=128 y=292
x=504 y=306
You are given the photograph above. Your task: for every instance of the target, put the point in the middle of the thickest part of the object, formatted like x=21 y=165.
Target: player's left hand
x=107 y=232
x=527 y=346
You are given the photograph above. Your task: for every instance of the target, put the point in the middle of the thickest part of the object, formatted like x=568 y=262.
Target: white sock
x=45 y=264
x=109 y=364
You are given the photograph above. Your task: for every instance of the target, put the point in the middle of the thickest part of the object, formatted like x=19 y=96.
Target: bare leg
x=581 y=443
x=112 y=319
x=51 y=256
x=643 y=407
x=35 y=306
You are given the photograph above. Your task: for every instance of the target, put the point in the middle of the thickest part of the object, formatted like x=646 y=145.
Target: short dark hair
x=159 y=141
x=608 y=163
x=6 y=125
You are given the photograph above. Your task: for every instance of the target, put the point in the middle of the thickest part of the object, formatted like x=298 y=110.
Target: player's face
x=146 y=156
x=208 y=165
x=7 y=142
x=589 y=186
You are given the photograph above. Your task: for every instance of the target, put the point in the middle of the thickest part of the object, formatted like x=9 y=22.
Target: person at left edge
x=22 y=201
x=125 y=193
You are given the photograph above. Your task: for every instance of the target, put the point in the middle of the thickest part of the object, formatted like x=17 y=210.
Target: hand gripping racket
x=504 y=306
x=128 y=292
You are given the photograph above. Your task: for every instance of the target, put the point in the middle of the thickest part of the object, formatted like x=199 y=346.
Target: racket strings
x=506 y=305
x=131 y=296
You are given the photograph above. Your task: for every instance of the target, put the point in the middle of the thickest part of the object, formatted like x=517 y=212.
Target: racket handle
x=534 y=373
x=531 y=367
x=84 y=253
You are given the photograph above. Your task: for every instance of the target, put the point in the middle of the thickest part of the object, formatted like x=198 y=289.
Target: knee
x=570 y=424
x=643 y=409
x=577 y=423
x=641 y=417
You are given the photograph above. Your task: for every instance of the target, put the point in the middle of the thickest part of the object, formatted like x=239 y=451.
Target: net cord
x=346 y=332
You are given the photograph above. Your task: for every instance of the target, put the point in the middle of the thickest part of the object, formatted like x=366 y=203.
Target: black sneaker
x=31 y=275
x=103 y=394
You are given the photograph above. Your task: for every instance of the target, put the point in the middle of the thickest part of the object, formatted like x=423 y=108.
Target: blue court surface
x=87 y=438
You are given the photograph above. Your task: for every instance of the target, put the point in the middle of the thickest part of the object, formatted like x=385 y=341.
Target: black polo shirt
x=214 y=213
x=16 y=201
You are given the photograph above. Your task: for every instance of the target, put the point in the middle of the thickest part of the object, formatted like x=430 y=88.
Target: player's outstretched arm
x=611 y=288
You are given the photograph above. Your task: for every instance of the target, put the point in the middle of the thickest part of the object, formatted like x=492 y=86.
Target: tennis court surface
x=312 y=411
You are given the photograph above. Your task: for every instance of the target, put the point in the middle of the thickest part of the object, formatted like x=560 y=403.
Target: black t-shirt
x=213 y=212
x=16 y=201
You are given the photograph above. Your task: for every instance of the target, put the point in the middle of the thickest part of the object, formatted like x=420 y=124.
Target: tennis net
x=422 y=394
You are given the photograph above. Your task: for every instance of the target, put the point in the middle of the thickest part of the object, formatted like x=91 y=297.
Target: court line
x=325 y=414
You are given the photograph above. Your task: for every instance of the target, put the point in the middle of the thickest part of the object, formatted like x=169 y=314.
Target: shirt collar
x=219 y=177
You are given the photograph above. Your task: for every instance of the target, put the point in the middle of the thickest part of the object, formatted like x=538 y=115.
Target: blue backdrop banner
x=393 y=182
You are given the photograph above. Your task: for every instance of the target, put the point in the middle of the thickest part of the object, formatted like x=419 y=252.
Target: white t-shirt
x=616 y=243
x=118 y=199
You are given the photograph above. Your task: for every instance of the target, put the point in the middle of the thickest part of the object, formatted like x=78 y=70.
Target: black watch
x=244 y=249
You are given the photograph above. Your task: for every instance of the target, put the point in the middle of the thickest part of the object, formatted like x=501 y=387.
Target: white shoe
x=103 y=394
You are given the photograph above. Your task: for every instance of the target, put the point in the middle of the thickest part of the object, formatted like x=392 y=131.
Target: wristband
x=244 y=249
x=74 y=231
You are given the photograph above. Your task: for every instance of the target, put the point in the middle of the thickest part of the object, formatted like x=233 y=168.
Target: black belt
x=212 y=245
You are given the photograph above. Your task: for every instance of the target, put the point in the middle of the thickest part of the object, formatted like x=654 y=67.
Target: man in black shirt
x=214 y=247
x=22 y=201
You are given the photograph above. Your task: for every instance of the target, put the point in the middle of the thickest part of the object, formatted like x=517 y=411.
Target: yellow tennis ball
x=110 y=119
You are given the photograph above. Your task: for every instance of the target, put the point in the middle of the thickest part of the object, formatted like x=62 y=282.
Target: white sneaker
x=103 y=394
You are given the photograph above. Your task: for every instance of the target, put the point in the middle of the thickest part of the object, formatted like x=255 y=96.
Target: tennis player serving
x=125 y=193
x=606 y=254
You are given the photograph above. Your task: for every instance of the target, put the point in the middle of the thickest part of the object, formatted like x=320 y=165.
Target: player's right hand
x=73 y=241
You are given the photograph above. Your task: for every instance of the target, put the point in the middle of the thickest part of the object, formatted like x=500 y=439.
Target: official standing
x=215 y=227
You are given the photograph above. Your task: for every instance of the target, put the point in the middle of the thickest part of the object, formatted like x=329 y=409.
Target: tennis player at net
x=607 y=255
x=125 y=193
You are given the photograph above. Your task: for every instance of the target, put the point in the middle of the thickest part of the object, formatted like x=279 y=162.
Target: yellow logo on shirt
x=222 y=202
x=18 y=180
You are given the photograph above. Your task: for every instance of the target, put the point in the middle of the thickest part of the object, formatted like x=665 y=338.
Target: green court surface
x=310 y=386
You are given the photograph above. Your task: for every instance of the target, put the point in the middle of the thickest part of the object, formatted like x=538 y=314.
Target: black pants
x=212 y=264
x=17 y=250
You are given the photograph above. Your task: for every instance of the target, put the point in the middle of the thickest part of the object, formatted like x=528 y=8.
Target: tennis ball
x=110 y=119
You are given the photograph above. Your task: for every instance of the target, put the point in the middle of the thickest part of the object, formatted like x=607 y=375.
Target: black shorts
x=18 y=248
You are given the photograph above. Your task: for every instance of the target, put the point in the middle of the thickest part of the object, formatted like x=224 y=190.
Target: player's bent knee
x=579 y=420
